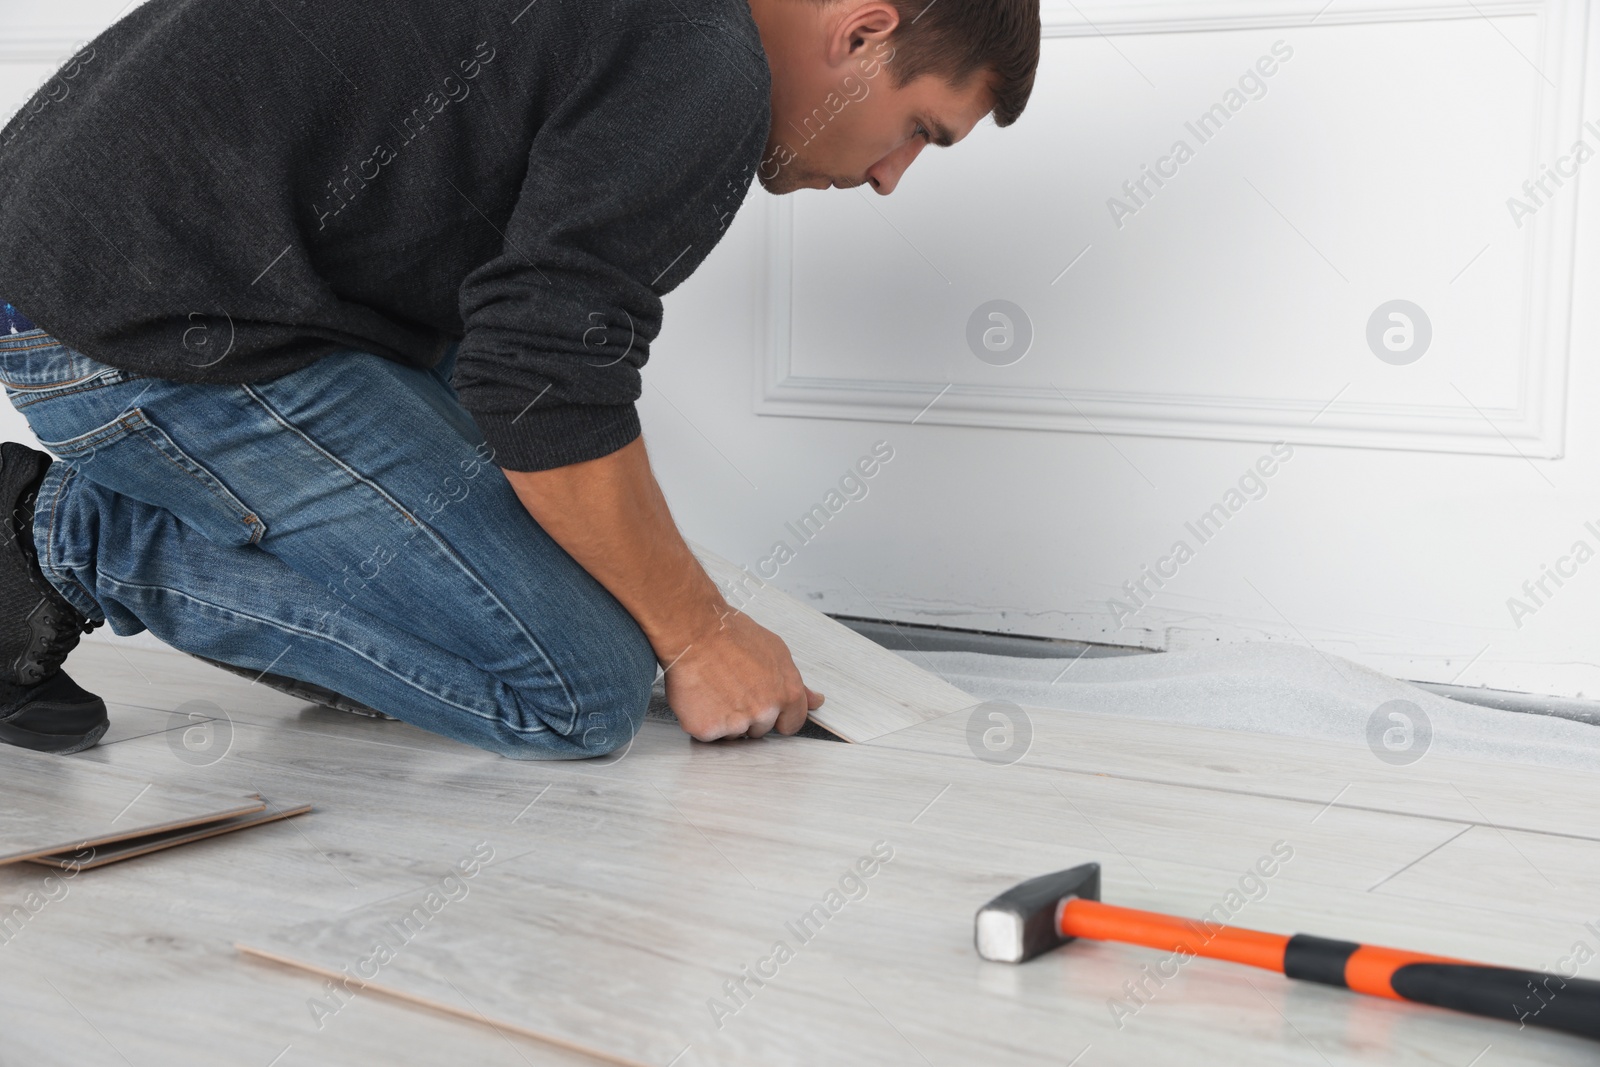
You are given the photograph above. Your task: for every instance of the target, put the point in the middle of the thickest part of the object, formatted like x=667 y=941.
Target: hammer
x=1045 y=912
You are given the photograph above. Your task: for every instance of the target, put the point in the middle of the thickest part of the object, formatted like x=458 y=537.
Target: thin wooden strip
x=241 y=808
x=141 y=846
x=448 y=1009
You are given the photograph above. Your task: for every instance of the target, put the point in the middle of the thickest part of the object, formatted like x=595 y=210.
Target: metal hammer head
x=1023 y=922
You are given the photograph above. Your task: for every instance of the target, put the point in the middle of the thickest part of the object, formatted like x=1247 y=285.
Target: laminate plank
x=125 y=989
x=92 y=859
x=129 y=721
x=167 y=681
x=1121 y=820
x=62 y=804
x=144 y=953
x=1314 y=772
x=629 y=956
x=1096 y=811
x=388 y=792
x=870 y=691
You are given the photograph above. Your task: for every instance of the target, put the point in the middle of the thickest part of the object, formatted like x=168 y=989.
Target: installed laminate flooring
x=619 y=896
x=627 y=948
x=1315 y=772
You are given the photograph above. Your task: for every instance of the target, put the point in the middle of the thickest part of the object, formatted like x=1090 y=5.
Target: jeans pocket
x=132 y=455
x=35 y=367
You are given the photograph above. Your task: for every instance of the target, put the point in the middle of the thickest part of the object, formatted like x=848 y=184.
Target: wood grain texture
x=870 y=691
x=135 y=963
x=1315 y=772
x=619 y=939
x=52 y=804
x=101 y=855
x=625 y=892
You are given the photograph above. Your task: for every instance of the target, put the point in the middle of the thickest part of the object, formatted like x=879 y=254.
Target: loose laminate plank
x=52 y=804
x=870 y=691
x=101 y=855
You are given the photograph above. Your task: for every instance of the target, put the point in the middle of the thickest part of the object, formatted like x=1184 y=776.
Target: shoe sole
x=52 y=743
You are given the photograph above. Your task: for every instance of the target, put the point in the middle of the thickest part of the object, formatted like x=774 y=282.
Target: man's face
x=838 y=118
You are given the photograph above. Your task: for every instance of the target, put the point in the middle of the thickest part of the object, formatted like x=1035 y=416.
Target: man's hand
x=726 y=676
x=738 y=681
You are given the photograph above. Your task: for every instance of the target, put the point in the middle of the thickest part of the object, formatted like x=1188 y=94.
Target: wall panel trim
x=1533 y=427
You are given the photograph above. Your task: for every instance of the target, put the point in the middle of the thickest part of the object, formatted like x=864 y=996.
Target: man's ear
x=860 y=30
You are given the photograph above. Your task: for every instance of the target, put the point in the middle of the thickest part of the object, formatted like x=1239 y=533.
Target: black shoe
x=40 y=707
x=57 y=715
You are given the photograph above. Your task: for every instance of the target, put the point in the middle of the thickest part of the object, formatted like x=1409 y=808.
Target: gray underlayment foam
x=1265 y=687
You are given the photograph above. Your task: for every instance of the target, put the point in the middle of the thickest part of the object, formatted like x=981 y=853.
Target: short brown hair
x=957 y=39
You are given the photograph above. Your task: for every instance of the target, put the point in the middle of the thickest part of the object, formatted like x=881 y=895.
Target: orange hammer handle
x=1107 y=922
x=1533 y=998
x=1367 y=970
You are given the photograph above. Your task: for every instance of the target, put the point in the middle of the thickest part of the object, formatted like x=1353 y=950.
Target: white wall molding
x=1066 y=18
x=1531 y=425
x=41 y=48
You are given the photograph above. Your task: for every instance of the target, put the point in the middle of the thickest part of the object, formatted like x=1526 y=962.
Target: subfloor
x=626 y=901
x=1273 y=688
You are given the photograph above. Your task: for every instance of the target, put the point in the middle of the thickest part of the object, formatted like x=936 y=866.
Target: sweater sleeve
x=632 y=180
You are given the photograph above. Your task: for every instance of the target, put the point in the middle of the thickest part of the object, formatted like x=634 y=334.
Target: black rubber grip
x=1531 y=998
x=1317 y=959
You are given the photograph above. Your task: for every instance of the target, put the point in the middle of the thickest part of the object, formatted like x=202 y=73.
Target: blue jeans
x=344 y=525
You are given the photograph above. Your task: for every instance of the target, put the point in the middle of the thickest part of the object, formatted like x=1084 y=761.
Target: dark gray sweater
x=229 y=190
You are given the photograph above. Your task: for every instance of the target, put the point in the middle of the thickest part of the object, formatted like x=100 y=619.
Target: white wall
x=1229 y=312
x=1225 y=314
